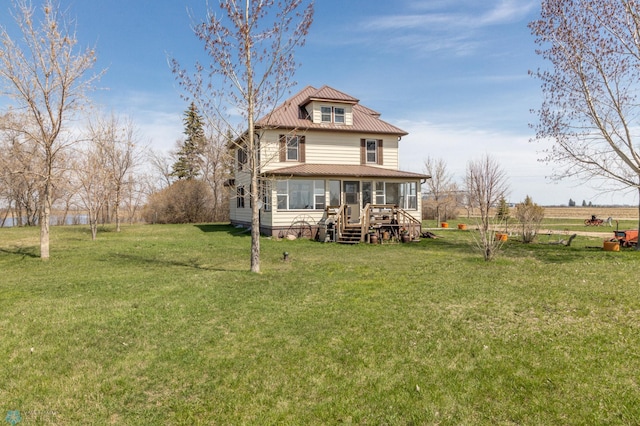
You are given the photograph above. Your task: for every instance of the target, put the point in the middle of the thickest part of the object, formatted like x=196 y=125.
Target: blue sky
x=453 y=73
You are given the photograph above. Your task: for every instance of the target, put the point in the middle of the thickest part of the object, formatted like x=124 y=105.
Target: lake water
x=76 y=219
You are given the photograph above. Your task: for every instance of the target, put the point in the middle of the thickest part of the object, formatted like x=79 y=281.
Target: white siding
x=240 y=214
x=328 y=148
x=315 y=110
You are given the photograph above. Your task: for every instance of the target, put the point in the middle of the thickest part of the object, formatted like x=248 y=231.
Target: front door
x=351 y=191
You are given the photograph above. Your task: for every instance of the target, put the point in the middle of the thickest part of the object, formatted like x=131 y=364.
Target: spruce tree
x=187 y=165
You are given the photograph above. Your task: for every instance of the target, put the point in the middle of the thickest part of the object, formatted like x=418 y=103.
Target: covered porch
x=347 y=203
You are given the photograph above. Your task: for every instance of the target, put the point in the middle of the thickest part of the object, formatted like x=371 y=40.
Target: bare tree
x=486 y=184
x=160 y=176
x=530 y=216
x=251 y=45
x=216 y=171
x=134 y=195
x=590 y=108
x=20 y=163
x=117 y=140
x=44 y=71
x=91 y=174
x=442 y=188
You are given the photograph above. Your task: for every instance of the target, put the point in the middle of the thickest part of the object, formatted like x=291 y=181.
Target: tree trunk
x=44 y=222
x=638 y=242
x=116 y=208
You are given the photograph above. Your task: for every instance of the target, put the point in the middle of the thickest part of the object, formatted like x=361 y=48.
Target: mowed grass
x=165 y=325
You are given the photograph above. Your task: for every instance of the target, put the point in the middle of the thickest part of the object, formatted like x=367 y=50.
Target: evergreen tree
x=503 y=210
x=187 y=165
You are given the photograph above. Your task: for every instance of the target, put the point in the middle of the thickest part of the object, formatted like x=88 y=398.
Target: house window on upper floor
x=372 y=151
x=292 y=148
x=332 y=114
x=242 y=158
x=326 y=114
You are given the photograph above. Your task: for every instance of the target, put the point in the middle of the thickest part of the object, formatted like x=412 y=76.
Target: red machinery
x=627 y=238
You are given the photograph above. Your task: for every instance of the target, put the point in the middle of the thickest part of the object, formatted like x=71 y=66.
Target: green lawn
x=164 y=324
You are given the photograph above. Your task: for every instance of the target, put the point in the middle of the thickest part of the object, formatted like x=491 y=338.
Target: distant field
x=616 y=213
x=586 y=212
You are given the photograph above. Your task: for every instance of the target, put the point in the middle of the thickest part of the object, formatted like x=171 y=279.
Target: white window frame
x=326 y=114
x=240 y=193
x=339 y=117
x=374 y=152
x=290 y=149
x=317 y=195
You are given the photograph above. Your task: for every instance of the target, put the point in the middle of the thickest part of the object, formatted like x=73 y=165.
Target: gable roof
x=291 y=114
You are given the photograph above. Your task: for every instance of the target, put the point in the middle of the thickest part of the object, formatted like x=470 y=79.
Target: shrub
x=185 y=201
x=530 y=215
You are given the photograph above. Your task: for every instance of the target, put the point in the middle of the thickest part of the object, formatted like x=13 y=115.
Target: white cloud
x=519 y=158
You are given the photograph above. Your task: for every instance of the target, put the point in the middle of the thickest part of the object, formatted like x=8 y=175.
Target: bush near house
x=185 y=201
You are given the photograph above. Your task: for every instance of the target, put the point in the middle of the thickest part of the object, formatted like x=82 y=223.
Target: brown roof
x=329 y=94
x=290 y=114
x=344 y=170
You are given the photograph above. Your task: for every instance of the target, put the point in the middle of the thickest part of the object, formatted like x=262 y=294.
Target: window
x=392 y=193
x=301 y=194
x=292 y=148
x=334 y=192
x=404 y=194
x=332 y=114
x=372 y=151
x=265 y=195
x=283 y=195
x=412 y=196
x=366 y=193
x=240 y=197
x=326 y=114
x=380 y=193
x=242 y=157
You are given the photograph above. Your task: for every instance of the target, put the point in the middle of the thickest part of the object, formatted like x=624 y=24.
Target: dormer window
x=326 y=114
x=332 y=114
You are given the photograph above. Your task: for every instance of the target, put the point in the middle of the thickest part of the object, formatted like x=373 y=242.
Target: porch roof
x=344 y=170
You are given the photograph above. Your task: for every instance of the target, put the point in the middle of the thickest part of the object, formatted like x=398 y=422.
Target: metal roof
x=291 y=115
x=344 y=170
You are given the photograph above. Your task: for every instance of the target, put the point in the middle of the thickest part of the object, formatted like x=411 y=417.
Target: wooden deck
x=384 y=222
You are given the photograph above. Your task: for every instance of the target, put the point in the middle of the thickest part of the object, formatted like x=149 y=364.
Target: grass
x=165 y=325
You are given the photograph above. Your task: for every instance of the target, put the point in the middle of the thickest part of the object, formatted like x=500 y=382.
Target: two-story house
x=323 y=155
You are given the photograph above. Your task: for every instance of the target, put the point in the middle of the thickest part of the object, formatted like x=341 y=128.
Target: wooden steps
x=351 y=235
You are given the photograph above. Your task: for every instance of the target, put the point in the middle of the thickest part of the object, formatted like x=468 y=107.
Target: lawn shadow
x=192 y=263
x=513 y=249
x=224 y=228
x=21 y=251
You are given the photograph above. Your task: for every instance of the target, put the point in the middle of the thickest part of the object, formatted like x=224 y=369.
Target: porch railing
x=376 y=216
x=339 y=214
